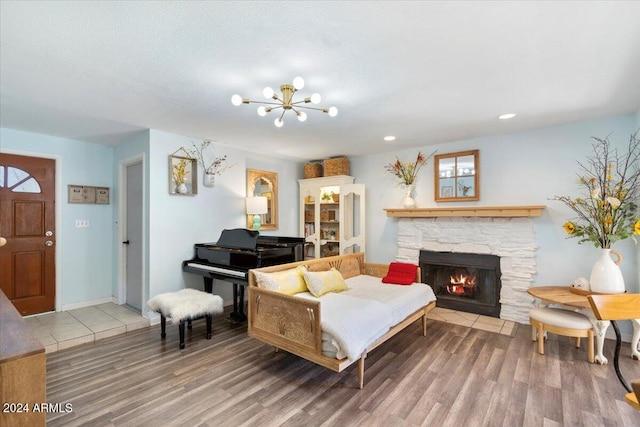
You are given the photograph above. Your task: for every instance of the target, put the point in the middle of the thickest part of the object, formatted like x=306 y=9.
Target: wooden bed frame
x=293 y=324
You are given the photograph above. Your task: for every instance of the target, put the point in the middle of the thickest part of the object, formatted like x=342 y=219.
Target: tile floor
x=476 y=321
x=58 y=331
x=65 y=329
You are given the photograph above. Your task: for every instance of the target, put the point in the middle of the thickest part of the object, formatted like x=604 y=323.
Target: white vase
x=181 y=188
x=606 y=276
x=208 y=179
x=407 y=201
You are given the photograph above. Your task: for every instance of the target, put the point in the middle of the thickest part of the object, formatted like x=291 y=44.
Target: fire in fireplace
x=463 y=281
x=462 y=284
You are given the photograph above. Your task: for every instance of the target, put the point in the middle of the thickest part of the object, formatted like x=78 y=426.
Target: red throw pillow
x=401 y=273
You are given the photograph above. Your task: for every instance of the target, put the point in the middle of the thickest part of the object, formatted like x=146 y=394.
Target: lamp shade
x=257 y=205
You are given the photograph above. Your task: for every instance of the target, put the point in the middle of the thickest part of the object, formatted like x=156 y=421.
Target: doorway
x=132 y=216
x=28 y=223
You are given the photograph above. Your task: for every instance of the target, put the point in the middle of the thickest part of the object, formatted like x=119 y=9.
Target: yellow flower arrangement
x=607 y=212
x=180 y=171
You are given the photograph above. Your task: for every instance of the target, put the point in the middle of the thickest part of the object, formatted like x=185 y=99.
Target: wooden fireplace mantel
x=467 y=211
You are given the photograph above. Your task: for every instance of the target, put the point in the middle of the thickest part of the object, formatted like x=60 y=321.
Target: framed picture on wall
x=183 y=175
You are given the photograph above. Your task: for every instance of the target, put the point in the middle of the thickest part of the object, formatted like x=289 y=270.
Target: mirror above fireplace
x=456 y=176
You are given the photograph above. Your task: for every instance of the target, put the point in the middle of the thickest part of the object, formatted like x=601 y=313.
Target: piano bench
x=184 y=306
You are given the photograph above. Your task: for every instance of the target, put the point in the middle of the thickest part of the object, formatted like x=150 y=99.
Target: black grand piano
x=236 y=252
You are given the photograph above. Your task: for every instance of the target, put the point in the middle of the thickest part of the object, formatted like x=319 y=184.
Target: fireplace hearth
x=463 y=281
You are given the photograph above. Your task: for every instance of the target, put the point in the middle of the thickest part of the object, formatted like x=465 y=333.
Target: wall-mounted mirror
x=457 y=176
x=265 y=184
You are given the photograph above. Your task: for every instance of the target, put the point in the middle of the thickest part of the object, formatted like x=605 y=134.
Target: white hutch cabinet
x=332 y=215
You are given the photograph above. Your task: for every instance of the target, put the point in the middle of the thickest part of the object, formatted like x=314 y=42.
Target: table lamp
x=256 y=206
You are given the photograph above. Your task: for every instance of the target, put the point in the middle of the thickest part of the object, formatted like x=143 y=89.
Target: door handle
x=48 y=243
x=126 y=242
x=3 y=241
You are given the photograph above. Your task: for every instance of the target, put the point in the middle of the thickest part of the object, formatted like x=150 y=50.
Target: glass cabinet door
x=329 y=221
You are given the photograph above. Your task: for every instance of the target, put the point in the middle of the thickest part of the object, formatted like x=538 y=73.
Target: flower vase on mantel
x=606 y=277
x=408 y=201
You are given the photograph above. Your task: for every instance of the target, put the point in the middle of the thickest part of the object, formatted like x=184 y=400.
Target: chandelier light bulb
x=236 y=100
x=316 y=98
x=262 y=111
x=333 y=111
x=298 y=83
x=302 y=116
x=268 y=92
x=278 y=122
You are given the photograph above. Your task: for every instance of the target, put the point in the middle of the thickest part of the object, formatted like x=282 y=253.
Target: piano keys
x=234 y=254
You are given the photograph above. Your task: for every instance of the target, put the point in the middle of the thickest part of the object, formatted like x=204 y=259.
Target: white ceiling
x=427 y=72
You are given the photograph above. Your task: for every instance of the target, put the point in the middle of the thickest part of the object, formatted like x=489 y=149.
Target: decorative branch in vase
x=210 y=169
x=180 y=173
x=607 y=211
x=408 y=173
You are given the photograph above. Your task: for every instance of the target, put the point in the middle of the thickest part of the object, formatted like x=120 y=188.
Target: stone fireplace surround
x=512 y=239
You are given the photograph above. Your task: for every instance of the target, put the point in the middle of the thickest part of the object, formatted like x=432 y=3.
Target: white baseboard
x=89 y=303
x=154 y=318
x=611 y=335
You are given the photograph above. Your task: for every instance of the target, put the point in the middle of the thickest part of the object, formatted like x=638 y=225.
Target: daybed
x=295 y=323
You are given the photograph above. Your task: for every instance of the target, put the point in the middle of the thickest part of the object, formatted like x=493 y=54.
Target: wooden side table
x=574 y=298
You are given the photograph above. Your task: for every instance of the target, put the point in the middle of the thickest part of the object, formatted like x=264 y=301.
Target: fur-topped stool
x=184 y=306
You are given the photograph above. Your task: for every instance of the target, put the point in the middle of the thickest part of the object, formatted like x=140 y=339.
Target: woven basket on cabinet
x=312 y=170
x=336 y=166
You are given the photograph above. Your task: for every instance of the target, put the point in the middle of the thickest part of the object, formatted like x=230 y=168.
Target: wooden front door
x=27 y=222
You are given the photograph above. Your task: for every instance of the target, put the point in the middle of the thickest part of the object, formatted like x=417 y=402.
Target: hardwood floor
x=456 y=376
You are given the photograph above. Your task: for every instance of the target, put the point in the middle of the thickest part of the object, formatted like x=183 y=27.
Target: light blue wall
x=177 y=222
x=88 y=257
x=516 y=169
x=526 y=168
x=86 y=269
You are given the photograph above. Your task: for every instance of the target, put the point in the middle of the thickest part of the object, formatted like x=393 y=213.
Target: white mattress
x=401 y=300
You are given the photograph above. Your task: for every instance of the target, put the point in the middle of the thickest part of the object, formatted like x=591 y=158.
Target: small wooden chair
x=561 y=322
x=619 y=307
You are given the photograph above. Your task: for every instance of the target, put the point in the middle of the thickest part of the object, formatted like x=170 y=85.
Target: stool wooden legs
x=540 y=328
x=538 y=332
x=181 y=329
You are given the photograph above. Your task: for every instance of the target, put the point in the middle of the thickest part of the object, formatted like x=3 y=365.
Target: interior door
x=27 y=222
x=133 y=240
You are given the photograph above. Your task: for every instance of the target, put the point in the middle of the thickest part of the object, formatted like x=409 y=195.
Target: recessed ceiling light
x=389 y=138
x=507 y=116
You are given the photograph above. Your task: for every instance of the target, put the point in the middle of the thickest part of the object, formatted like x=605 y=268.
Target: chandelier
x=286 y=102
